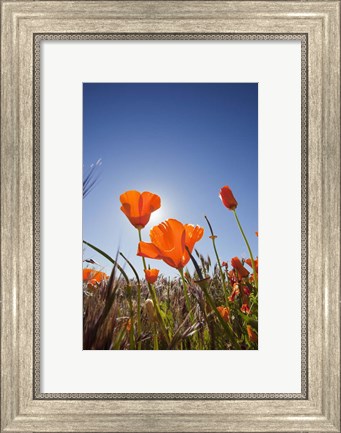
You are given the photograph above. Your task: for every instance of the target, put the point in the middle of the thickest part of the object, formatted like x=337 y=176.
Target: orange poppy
x=227 y=198
x=138 y=206
x=224 y=312
x=169 y=242
x=151 y=275
x=93 y=276
x=235 y=292
x=237 y=264
x=251 y=334
x=248 y=261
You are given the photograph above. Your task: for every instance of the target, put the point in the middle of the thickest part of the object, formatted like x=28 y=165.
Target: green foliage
x=113 y=312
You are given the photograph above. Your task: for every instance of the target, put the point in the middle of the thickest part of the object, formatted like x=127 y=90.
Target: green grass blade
x=108 y=258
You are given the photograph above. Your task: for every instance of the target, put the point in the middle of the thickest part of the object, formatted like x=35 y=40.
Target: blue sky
x=180 y=141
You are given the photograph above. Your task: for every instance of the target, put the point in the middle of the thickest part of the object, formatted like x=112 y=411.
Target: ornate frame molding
x=23 y=23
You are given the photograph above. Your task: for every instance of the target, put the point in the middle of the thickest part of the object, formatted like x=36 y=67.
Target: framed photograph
x=175 y=306
x=152 y=152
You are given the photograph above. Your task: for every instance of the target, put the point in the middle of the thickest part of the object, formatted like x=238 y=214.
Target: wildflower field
x=214 y=307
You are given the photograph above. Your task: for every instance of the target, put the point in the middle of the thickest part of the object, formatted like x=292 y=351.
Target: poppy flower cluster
x=170 y=240
x=228 y=296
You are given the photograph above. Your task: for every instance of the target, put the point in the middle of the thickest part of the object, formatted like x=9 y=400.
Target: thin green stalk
x=158 y=312
x=187 y=300
x=155 y=301
x=108 y=258
x=118 y=340
x=248 y=247
x=156 y=342
x=143 y=259
x=139 y=331
x=131 y=332
x=139 y=328
x=222 y=275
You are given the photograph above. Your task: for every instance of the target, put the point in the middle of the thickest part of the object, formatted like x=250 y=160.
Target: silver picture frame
x=24 y=25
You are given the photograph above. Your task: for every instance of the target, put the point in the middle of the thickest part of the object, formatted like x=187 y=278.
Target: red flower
x=237 y=264
x=227 y=198
x=246 y=290
x=151 y=275
x=224 y=264
x=245 y=309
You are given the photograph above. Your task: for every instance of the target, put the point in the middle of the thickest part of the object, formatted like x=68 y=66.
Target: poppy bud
x=151 y=275
x=227 y=198
x=251 y=334
x=224 y=312
x=150 y=310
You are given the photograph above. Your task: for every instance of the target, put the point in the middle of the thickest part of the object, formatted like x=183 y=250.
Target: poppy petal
x=146 y=249
x=150 y=202
x=130 y=201
x=193 y=235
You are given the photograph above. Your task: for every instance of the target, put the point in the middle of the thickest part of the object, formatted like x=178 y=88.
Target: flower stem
x=213 y=237
x=156 y=343
x=196 y=338
x=139 y=331
x=248 y=247
x=143 y=259
x=138 y=300
x=155 y=301
x=131 y=332
x=187 y=300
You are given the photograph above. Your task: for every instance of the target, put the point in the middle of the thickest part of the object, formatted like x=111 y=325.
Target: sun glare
x=156 y=217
